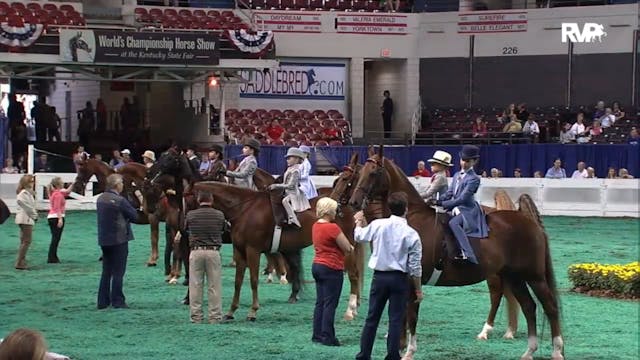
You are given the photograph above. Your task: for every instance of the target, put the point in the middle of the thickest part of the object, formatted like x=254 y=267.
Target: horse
x=261 y=179
x=516 y=251
x=78 y=43
x=4 y=212
x=342 y=191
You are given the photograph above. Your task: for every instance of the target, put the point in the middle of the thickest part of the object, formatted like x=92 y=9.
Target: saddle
x=450 y=248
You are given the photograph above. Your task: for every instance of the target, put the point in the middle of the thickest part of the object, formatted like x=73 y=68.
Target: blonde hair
x=56 y=182
x=326 y=206
x=23 y=184
x=23 y=344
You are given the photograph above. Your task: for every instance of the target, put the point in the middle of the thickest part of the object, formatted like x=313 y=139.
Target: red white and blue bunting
x=23 y=36
x=254 y=43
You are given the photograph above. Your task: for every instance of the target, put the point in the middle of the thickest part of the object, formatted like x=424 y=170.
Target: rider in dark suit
x=468 y=218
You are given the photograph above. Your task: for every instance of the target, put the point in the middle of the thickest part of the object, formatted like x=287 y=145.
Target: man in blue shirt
x=115 y=215
x=396 y=256
x=556 y=171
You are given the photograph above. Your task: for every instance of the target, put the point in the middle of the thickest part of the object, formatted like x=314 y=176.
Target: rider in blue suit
x=468 y=218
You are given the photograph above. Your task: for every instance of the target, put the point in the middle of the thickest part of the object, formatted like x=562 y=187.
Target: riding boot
x=21 y=262
x=291 y=214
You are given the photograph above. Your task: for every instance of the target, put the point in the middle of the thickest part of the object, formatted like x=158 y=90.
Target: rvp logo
x=590 y=32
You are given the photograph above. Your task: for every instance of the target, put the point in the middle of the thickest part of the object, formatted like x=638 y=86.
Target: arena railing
x=556 y=197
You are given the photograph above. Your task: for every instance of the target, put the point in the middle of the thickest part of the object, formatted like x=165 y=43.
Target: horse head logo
x=311 y=77
x=78 y=43
x=598 y=33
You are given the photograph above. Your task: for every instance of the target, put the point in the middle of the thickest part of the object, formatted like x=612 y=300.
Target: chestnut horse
x=517 y=251
x=342 y=190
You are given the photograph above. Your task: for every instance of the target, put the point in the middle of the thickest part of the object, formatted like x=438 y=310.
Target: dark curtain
x=528 y=157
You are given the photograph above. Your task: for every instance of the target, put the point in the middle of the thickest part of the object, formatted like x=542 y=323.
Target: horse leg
x=550 y=306
x=520 y=291
x=495 y=293
x=168 y=249
x=177 y=259
x=253 y=262
x=269 y=269
x=352 y=271
x=241 y=266
x=411 y=322
x=513 y=310
x=154 y=224
x=281 y=269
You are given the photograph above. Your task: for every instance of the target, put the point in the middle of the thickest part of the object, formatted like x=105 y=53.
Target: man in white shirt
x=578 y=129
x=396 y=255
x=581 y=172
x=608 y=119
x=531 y=128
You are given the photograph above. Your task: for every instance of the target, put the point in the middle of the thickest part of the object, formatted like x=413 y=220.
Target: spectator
x=9 y=168
x=387 y=112
x=115 y=215
x=396 y=257
x=275 y=131
x=495 y=173
x=599 y=110
x=42 y=164
x=517 y=173
x=556 y=171
x=149 y=158
x=596 y=129
x=125 y=113
x=506 y=114
x=634 y=137
x=101 y=115
x=135 y=112
x=513 y=126
x=53 y=124
x=193 y=157
x=608 y=119
x=522 y=113
x=22 y=164
x=116 y=160
x=591 y=173
x=38 y=115
x=611 y=173
x=86 y=124
x=17 y=126
x=23 y=344
x=26 y=216
x=579 y=130
x=126 y=156
x=421 y=171
x=531 y=128
x=537 y=174
x=204 y=164
x=624 y=174
x=484 y=174
x=330 y=133
x=479 y=127
x=98 y=157
x=56 y=216
x=617 y=111
x=581 y=172
x=204 y=227
x=566 y=135
x=330 y=246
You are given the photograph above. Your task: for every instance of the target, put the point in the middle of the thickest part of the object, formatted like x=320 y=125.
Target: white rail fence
x=567 y=197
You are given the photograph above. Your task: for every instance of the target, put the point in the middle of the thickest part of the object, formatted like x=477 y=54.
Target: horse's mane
x=396 y=173
x=231 y=189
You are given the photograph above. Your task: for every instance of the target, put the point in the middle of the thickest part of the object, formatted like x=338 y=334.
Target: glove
x=434 y=202
x=221 y=172
x=272 y=187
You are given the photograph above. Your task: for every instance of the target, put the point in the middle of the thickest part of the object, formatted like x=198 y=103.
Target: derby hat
x=305 y=149
x=149 y=155
x=295 y=152
x=252 y=143
x=469 y=152
x=441 y=157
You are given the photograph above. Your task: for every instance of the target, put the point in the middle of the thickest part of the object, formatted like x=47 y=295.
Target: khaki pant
x=207 y=262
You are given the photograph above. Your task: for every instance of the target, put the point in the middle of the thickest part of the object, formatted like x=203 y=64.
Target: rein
x=240 y=203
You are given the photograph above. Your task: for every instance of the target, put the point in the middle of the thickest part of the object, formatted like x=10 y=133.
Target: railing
x=557 y=197
x=439 y=138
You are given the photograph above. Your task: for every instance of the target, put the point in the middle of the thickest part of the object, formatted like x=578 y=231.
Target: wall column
x=356 y=97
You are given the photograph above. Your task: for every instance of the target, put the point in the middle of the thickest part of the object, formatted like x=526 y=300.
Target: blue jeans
x=114 y=265
x=392 y=286
x=328 y=289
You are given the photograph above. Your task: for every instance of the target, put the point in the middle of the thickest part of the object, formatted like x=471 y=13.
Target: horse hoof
x=173 y=281
x=348 y=317
x=251 y=318
x=508 y=335
x=269 y=281
x=527 y=357
x=557 y=357
x=482 y=337
x=292 y=300
x=151 y=264
x=228 y=318
x=407 y=357
x=283 y=282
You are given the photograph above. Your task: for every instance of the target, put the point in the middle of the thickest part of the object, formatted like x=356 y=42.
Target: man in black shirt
x=387 y=112
x=521 y=113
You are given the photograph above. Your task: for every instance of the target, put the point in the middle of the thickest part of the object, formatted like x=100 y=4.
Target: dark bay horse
x=517 y=251
x=4 y=212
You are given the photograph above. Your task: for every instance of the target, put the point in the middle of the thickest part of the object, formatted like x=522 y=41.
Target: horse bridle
x=368 y=193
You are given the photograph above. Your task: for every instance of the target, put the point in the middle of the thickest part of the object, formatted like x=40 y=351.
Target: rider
x=468 y=218
x=440 y=162
x=248 y=165
x=294 y=200
x=216 y=169
x=306 y=184
x=148 y=158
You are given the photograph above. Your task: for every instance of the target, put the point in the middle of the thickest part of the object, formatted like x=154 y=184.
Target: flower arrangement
x=617 y=280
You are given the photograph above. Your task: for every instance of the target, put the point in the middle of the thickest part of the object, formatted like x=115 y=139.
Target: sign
x=378 y=24
x=590 y=33
x=480 y=22
x=109 y=46
x=297 y=81
x=288 y=21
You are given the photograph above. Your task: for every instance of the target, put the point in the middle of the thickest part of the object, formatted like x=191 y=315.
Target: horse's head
x=82 y=177
x=169 y=163
x=343 y=186
x=373 y=181
x=152 y=194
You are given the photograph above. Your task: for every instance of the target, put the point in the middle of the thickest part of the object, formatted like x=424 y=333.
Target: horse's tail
x=503 y=201
x=528 y=207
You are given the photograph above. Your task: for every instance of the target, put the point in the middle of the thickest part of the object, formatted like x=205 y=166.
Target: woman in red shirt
x=55 y=218
x=274 y=131
x=330 y=247
x=479 y=127
x=421 y=171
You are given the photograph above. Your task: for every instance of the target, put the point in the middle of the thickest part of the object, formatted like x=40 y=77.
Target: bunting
x=254 y=43
x=24 y=36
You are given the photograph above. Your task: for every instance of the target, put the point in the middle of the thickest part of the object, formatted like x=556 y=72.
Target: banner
x=306 y=22
x=109 y=46
x=492 y=22
x=297 y=81
x=373 y=24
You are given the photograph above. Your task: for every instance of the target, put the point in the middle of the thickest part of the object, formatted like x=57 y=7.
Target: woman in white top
x=9 y=168
x=306 y=184
x=26 y=217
